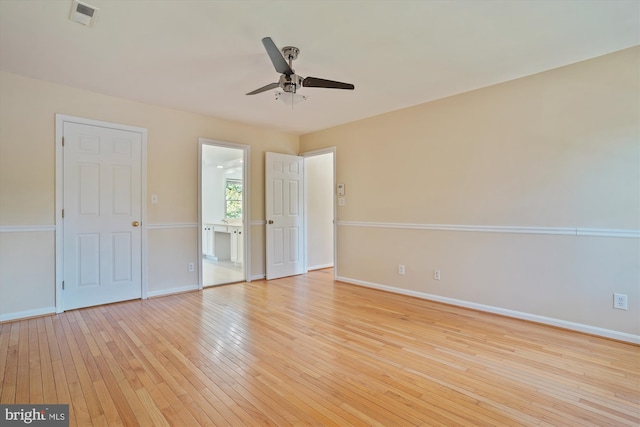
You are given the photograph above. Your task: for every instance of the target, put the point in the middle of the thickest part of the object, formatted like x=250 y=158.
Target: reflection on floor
x=220 y=272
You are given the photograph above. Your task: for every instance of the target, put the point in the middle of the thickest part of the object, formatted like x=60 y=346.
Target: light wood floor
x=310 y=351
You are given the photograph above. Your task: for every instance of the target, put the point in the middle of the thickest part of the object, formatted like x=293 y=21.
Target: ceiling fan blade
x=277 y=59
x=265 y=88
x=330 y=84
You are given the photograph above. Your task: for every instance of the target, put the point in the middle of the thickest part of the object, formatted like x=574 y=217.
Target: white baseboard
x=319 y=267
x=578 y=327
x=258 y=277
x=26 y=314
x=151 y=294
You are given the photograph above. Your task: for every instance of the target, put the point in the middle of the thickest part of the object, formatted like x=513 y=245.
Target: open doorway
x=223 y=206
x=319 y=168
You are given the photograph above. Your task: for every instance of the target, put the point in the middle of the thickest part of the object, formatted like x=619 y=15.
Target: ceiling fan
x=289 y=81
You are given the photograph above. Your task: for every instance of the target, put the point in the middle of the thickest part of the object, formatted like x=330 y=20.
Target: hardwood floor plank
x=10 y=377
x=305 y=351
x=46 y=368
x=78 y=412
x=149 y=405
x=5 y=336
x=109 y=408
x=35 y=366
x=23 y=375
x=111 y=380
x=183 y=414
x=57 y=367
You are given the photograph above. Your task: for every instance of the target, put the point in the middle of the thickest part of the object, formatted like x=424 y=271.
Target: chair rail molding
x=168 y=226
x=27 y=228
x=566 y=231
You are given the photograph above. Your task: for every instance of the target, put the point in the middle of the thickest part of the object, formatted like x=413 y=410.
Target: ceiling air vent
x=83 y=14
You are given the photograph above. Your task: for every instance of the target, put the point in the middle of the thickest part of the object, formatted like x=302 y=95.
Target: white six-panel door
x=284 y=186
x=102 y=214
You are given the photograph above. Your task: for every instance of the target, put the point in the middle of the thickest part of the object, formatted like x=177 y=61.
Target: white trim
x=259 y=277
x=608 y=232
x=143 y=211
x=593 y=232
x=171 y=291
x=565 y=231
x=26 y=228
x=578 y=327
x=29 y=313
x=169 y=226
x=200 y=225
x=319 y=267
x=60 y=119
x=320 y=152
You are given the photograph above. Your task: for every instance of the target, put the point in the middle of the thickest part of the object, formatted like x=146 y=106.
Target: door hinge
x=62 y=213
x=63 y=285
x=63 y=141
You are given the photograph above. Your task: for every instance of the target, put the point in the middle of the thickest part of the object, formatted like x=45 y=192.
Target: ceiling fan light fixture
x=290 y=98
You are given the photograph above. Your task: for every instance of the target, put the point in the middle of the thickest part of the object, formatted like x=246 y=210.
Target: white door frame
x=59 y=246
x=330 y=150
x=246 y=197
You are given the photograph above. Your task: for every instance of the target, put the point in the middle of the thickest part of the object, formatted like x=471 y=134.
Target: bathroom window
x=233 y=199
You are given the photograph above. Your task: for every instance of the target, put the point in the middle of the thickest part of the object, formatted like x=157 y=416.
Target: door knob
x=135 y=223
x=270 y=222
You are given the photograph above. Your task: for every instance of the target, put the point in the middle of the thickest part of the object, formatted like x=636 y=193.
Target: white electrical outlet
x=192 y=267
x=401 y=269
x=436 y=274
x=620 y=301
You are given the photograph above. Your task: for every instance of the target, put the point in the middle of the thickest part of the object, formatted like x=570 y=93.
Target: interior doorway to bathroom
x=223 y=207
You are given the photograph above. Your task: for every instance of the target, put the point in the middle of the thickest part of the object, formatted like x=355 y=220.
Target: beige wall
x=27 y=272
x=27 y=184
x=554 y=150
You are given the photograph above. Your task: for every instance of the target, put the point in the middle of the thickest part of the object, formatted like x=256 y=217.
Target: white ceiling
x=225 y=157
x=203 y=56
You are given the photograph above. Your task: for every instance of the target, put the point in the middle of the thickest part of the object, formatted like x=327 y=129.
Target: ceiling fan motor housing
x=290 y=83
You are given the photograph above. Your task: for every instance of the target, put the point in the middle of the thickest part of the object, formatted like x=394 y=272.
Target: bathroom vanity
x=223 y=242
